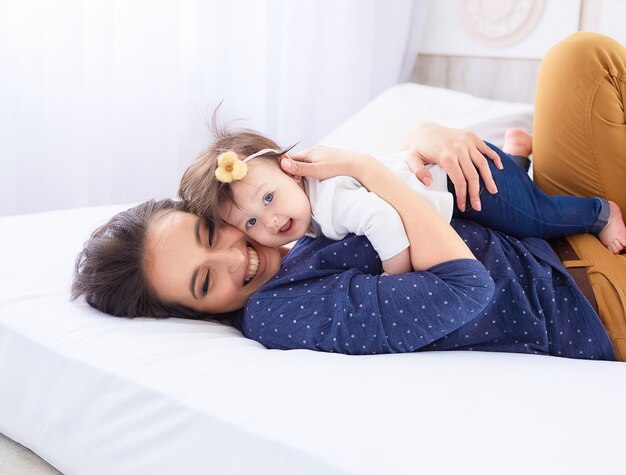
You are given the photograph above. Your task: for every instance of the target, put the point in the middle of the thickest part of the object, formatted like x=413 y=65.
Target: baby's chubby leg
x=613 y=236
x=519 y=145
x=518 y=142
x=521 y=209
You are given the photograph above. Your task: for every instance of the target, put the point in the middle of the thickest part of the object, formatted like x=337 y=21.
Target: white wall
x=446 y=34
x=606 y=16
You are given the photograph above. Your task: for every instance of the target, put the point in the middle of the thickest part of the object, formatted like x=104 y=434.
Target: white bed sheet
x=93 y=394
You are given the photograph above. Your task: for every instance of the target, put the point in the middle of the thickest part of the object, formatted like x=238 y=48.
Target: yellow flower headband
x=230 y=168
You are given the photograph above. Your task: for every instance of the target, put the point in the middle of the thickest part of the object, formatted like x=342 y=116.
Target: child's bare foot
x=613 y=236
x=518 y=142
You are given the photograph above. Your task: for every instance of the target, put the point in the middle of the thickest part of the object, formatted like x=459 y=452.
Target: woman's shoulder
x=330 y=255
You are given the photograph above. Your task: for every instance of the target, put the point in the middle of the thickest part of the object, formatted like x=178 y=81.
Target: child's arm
x=347 y=207
x=432 y=239
x=398 y=264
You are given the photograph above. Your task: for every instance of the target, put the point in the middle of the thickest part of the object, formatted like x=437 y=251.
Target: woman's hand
x=324 y=162
x=460 y=153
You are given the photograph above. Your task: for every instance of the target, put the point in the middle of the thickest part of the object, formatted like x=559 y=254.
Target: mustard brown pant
x=579 y=148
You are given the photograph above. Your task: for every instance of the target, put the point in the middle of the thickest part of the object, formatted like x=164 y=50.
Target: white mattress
x=93 y=394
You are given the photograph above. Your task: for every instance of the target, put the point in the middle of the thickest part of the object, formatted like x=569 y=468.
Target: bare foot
x=613 y=236
x=518 y=142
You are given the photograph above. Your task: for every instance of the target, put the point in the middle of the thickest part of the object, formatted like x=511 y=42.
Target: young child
x=239 y=180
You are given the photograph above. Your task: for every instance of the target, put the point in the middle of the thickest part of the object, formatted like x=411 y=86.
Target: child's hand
x=460 y=153
x=324 y=162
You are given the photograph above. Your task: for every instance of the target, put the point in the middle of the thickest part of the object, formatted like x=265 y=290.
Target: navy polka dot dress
x=516 y=297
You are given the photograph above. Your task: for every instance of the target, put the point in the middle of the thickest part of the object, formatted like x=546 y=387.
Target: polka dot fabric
x=330 y=296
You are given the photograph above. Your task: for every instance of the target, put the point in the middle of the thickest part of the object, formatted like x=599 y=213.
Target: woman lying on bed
x=471 y=288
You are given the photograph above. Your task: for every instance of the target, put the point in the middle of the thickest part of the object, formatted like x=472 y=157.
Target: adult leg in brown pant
x=579 y=147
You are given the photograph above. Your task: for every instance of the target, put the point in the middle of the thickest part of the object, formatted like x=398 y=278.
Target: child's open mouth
x=287 y=226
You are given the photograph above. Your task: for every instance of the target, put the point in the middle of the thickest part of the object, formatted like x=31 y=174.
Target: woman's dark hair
x=109 y=271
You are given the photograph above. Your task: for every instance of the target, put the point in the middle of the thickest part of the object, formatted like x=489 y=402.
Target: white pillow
x=381 y=125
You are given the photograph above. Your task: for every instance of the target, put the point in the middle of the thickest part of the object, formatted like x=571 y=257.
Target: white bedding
x=94 y=394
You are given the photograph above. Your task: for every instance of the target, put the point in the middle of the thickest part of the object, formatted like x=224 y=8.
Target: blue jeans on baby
x=521 y=209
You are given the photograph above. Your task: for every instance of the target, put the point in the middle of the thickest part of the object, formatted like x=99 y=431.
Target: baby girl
x=238 y=180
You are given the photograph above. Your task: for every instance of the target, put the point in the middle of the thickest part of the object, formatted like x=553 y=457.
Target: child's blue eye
x=251 y=222
x=267 y=199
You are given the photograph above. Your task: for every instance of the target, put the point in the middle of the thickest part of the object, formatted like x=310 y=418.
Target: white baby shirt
x=341 y=205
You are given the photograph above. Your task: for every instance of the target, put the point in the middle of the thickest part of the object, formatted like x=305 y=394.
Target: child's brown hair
x=201 y=191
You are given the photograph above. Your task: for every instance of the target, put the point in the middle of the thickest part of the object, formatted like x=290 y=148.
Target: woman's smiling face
x=204 y=268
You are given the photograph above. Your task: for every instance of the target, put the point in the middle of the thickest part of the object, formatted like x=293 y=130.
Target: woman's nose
x=231 y=258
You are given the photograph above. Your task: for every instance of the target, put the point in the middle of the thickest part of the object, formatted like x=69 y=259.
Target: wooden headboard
x=503 y=79
x=492 y=48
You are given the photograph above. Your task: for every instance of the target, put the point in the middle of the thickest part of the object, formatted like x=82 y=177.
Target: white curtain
x=106 y=101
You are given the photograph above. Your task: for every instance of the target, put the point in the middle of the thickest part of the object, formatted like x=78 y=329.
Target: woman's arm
x=459 y=152
x=349 y=310
x=432 y=239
